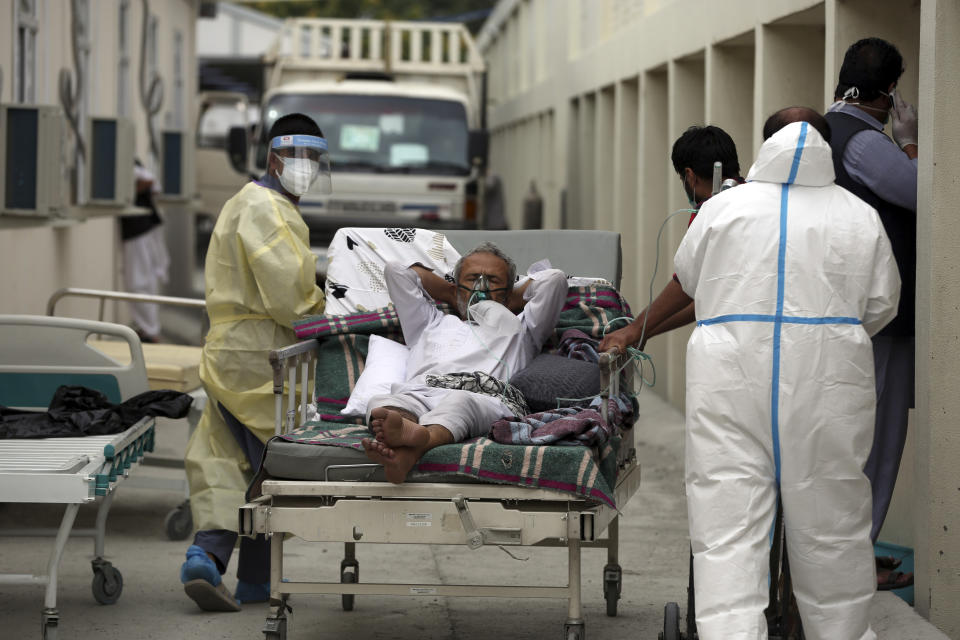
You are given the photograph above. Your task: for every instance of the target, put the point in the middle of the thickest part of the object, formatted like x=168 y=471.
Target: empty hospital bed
x=332 y=494
x=169 y=366
x=37 y=355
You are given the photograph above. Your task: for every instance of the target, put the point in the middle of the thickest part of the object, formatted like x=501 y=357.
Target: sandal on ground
x=892 y=580
x=209 y=597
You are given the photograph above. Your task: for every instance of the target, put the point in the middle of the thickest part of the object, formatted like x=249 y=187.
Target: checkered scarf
x=482 y=383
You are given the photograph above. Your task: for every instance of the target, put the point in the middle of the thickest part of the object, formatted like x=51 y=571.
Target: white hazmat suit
x=791 y=275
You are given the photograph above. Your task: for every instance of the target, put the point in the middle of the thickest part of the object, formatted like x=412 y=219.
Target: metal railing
x=377 y=45
x=103 y=296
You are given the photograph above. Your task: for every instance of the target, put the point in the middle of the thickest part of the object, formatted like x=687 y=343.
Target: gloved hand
x=903 y=121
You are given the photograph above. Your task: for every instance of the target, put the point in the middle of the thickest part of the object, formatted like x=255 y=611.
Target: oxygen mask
x=479 y=292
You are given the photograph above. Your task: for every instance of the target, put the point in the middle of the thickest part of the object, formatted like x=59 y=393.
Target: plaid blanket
x=565 y=426
x=582 y=471
x=578 y=345
x=342 y=348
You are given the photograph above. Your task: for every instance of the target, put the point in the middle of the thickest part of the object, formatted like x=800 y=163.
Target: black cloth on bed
x=79 y=411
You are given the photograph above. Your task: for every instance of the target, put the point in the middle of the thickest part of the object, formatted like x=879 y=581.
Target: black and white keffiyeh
x=479 y=382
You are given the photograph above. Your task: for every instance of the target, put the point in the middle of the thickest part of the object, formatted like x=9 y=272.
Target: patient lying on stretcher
x=456 y=366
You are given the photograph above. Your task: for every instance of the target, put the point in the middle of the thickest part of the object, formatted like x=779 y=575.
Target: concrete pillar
x=686 y=97
x=729 y=94
x=574 y=196
x=789 y=67
x=626 y=182
x=584 y=164
x=654 y=169
x=937 y=492
x=604 y=160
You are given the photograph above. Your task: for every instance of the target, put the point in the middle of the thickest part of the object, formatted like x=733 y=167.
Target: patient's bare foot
x=378 y=415
x=375 y=448
x=397 y=463
x=376 y=422
x=398 y=431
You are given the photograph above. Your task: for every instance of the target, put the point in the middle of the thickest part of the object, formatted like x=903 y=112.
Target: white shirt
x=496 y=342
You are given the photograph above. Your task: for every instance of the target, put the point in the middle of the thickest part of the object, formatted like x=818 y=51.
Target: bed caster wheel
x=612 y=584
x=107 y=582
x=346 y=599
x=275 y=628
x=671 y=622
x=179 y=522
x=51 y=622
x=349 y=574
x=574 y=631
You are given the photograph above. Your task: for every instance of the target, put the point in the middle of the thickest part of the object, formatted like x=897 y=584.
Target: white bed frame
x=38 y=353
x=431 y=513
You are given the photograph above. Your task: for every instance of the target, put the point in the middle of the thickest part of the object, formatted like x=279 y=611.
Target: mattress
x=169 y=366
x=285 y=460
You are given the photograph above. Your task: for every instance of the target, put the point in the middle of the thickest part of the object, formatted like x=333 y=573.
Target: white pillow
x=386 y=364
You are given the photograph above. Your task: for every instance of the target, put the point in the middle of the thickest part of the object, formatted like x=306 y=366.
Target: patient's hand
x=619 y=339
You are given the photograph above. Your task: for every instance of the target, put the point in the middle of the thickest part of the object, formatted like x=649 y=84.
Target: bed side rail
x=104 y=295
x=293 y=364
x=611 y=364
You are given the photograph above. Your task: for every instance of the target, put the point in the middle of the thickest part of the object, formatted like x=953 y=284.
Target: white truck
x=401 y=106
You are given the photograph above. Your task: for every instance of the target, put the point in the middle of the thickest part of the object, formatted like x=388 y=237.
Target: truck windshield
x=383 y=134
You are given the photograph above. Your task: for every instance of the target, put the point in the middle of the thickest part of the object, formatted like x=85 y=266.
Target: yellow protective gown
x=260 y=277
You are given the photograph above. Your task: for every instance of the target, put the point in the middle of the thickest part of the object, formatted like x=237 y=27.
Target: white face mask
x=298 y=174
x=853 y=93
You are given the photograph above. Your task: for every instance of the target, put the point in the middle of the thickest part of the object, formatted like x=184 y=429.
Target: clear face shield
x=305 y=163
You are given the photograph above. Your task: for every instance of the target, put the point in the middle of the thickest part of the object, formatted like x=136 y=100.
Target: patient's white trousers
x=464 y=414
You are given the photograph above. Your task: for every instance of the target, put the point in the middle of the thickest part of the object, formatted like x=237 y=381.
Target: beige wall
x=39 y=259
x=624 y=79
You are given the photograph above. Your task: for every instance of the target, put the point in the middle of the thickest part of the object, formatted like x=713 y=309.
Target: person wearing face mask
x=791 y=275
x=694 y=154
x=260 y=276
x=439 y=403
x=883 y=173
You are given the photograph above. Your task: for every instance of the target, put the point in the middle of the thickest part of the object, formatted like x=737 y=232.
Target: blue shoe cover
x=199 y=566
x=248 y=592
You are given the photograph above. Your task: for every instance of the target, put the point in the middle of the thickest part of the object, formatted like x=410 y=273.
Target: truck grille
x=362 y=206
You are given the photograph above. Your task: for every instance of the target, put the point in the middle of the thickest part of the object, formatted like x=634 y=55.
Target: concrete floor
x=654 y=556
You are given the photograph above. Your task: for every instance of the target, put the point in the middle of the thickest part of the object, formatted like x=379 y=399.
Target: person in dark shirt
x=883 y=173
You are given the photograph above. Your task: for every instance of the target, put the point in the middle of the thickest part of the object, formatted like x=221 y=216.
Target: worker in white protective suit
x=791 y=275
x=260 y=277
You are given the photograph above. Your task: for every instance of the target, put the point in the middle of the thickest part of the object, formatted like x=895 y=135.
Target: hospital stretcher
x=38 y=355
x=169 y=366
x=325 y=495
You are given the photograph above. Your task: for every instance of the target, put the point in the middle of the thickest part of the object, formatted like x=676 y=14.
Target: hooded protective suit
x=791 y=275
x=260 y=277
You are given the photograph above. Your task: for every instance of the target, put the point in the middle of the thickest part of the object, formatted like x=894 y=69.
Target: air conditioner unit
x=110 y=162
x=31 y=181
x=176 y=166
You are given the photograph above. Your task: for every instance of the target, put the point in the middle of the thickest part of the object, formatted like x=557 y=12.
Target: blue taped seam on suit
x=759 y=317
x=778 y=323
